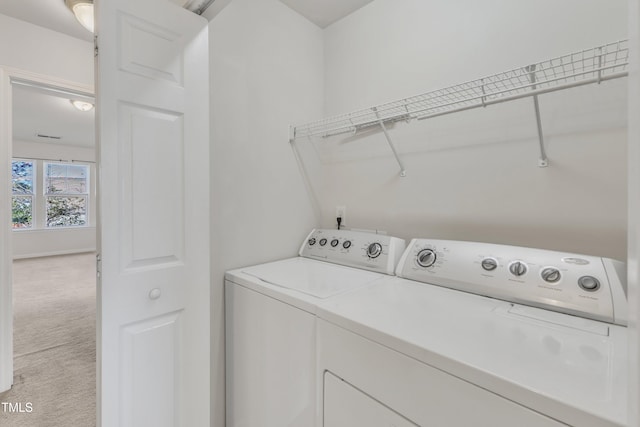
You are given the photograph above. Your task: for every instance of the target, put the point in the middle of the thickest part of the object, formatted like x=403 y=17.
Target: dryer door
x=346 y=406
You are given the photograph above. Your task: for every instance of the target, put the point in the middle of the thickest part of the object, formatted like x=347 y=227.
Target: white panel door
x=153 y=287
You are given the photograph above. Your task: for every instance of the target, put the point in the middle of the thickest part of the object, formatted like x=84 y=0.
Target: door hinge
x=98 y=265
x=95 y=46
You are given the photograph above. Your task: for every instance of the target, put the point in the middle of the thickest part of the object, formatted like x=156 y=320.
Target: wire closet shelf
x=588 y=66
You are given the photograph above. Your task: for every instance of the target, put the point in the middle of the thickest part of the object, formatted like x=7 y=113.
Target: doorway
x=50 y=144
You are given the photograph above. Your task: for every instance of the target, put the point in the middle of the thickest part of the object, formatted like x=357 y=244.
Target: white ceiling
x=36 y=111
x=326 y=12
x=53 y=14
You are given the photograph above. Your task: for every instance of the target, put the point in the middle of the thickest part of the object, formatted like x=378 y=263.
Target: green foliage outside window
x=21 y=210
x=22 y=190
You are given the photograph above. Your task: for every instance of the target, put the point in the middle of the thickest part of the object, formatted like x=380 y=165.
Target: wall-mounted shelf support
x=543 y=161
x=594 y=65
x=403 y=171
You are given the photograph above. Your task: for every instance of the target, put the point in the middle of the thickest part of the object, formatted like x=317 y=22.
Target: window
x=65 y=198
x=22 y=190
x=66 y=193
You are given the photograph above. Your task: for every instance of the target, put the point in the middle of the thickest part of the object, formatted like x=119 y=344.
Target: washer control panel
x=582 y=285
x=369 y=251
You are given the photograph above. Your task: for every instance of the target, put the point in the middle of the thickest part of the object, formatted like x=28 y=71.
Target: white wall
x=32 y=48
x=474 y=175
x=266 y=71
x=46 y=242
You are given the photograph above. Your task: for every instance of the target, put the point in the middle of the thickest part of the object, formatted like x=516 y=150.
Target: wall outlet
x=341 y=212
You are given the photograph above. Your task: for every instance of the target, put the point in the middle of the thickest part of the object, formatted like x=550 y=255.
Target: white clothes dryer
x=271 y=324
x=478 y=335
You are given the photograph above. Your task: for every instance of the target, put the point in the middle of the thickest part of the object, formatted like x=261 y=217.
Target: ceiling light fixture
x=81 y=105
x=83 y=11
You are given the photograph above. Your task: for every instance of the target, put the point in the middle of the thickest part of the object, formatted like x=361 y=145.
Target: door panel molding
x=151 y=349
x=151 y=199
x=144 y=46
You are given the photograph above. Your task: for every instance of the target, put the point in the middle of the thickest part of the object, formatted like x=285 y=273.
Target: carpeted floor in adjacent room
x=54 y=301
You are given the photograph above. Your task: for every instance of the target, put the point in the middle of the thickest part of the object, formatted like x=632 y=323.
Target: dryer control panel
x=582 y=285
x=369 y=251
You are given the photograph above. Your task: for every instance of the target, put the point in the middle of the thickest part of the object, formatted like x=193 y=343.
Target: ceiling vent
x=41 y=135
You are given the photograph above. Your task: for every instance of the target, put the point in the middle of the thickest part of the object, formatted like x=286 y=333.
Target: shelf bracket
x=599 y=65
x=543 y=161
x=403 y=172
x=292 y=133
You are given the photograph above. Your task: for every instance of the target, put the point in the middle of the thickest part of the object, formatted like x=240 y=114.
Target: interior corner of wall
x=216 y=7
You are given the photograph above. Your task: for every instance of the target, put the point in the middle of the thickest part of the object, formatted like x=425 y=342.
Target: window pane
x=21 y=211
x=66 y=211
x=65 y=179
x=22 y=177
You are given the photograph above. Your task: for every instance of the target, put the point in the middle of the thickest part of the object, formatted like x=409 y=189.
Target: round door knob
x=154 y=294
x=489 y=264
x=374 y=250
x=334 y=243
x=589 y=283
x=518 y=268
x=550 y=274
x=426 y=258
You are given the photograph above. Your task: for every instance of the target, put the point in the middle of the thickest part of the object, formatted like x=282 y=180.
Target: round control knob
x=518 y=268
x=374 y=250
x=323 y=242
x=334 y=243
x=346 y=244
x=489 y=264
x=312 y=241
x=550 y=274
x=426 y=258
x=589 y=283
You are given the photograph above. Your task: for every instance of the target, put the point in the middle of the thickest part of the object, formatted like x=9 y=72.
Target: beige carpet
x=54 y=343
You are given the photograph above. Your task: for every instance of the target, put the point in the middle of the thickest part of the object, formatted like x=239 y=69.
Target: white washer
x=271 y=324
x=503 y=353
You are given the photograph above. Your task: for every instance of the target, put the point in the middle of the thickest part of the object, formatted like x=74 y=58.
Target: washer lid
x=316 y=278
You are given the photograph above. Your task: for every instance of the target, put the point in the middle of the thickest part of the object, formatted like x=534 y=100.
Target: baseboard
x=54 y=253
